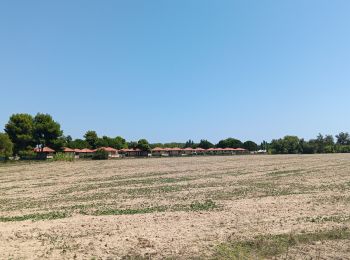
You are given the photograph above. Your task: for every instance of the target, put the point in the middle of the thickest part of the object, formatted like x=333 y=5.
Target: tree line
x=321 y=144
x=23 y=132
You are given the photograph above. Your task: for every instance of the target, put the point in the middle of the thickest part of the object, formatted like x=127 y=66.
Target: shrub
x=342 y=148
x=100 y=155
x=329 y=149
x=27 y=155
x=5 y=146
x=68 y=157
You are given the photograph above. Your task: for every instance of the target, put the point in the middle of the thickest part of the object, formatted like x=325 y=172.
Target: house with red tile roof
x=45 y=152
x=158 y=151
x=133 y=152
x=188 y=151
x=175 y=151
x=112 y=153
x=199 y=151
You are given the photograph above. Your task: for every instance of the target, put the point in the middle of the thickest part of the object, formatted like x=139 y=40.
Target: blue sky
x=174 y=70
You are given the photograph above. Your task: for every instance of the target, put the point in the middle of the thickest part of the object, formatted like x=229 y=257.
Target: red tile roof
x=108 y=149
x=85 y=150
x=67 y=150
x=44 y=150
x=157 y=149
x=240 y=149
x=129 y=150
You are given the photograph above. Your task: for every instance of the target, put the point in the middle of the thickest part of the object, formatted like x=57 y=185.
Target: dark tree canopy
x=250 y=146
x=143 y=145
x=132 y=144
x=116 y=143
x=154 y=145
x=264 y=145
x=343 y=138
x=78 y=144
x=47 y=132
x=287 y=145
x=91 y=138
x=205 y=144
x=229 y=143
x=189 y=144
x=68 y=139
x=6 y=146
x=174 y=144
x=20 y=130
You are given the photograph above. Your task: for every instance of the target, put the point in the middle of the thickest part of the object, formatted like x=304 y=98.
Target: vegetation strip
x=36 y=217
x=274 y=245
x=195 y=206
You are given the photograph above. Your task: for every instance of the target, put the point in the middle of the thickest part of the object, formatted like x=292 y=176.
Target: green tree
x=91 y=138
x=6 y=146
x=250 y=146
x=105 y=141
x=329 y=140
x=229 y=143
x=319 y=143
x=132 y=144
x=68 y=139
x=47 y=132
x=343 y=138
x=287 y=145
x=119 y=143
x=276 y=146
x=173 y=145
x=100 y=155
x=189 y=144
x=20 y=131
x=78 y=144
x=264 y=145
x=154 y=145
x=143 y=145
x=307 y=147
x=322 y=144
x=205 y=144
x=291 y=144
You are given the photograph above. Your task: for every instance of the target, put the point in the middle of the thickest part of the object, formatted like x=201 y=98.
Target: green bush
x=5 y=146
x=68 y=157
x=100 y=155
x=342 y=148
x=329 y=149
x=27 y=155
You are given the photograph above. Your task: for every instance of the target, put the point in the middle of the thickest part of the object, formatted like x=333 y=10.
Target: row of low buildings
x=157 y=151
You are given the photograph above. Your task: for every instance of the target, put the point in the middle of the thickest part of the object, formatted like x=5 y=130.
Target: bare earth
x=176 y=208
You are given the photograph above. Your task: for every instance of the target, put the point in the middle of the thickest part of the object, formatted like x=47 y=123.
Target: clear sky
x=174 y=70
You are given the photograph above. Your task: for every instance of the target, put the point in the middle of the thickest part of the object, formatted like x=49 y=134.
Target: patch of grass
x=207 y=205
x=273 y=245
x=195 y=206
x=36 y=217
x=103 y=212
